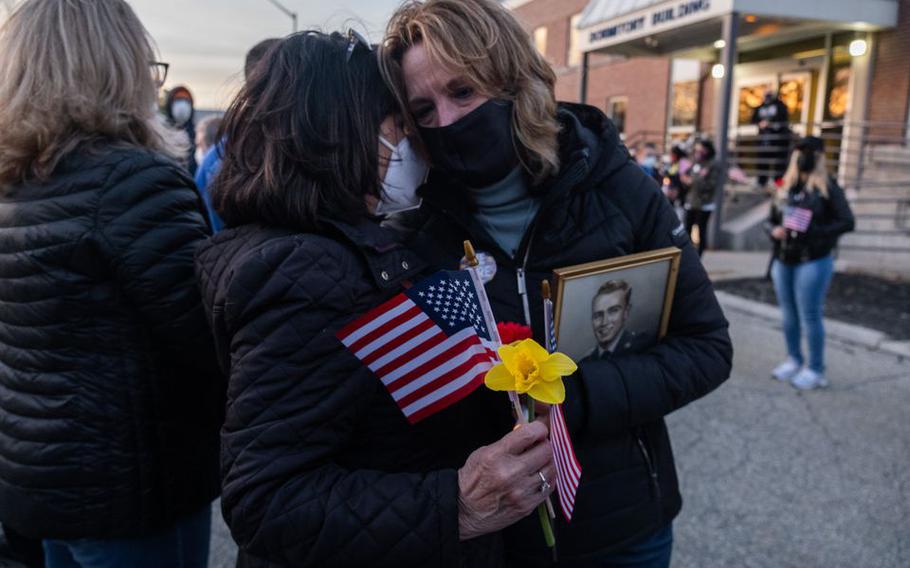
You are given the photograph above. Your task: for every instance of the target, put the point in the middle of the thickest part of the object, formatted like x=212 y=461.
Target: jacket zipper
x=652 y=472
x=520 y=275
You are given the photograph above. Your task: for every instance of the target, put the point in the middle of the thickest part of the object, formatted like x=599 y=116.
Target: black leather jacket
x=831 y=218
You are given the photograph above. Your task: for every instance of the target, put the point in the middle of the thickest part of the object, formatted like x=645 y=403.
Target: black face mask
x=478 y=148
x=806 y=162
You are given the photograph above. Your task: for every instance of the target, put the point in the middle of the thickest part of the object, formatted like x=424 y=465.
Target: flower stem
x=545 y=522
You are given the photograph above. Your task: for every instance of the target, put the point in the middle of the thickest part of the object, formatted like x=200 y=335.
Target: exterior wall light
x=720 y=44
x=858 y=48
x=718 y=71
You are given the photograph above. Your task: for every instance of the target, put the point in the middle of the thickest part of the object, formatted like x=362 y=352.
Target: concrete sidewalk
x=776 y=478
x=726 y=265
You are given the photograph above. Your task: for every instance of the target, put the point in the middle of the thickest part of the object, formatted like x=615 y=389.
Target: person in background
x=537 y=185
x=773 y=120
x=649 y=161
x=673 y=186
x=807 y=218
x=211 y=162
x=206 y=136
x=179 y=112
x=320 y=467
x=702 y=179
x=112 y=398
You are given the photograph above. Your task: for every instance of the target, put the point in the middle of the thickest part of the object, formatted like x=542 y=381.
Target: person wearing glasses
x=111 y=394
x=537 y=186
x=320 y=467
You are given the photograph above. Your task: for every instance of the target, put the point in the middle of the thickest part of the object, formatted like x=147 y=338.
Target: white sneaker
x=786 y=370
x=808 y=379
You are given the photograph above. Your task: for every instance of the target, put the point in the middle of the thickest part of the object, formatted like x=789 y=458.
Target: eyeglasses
x=355 y=39
x=159 y=72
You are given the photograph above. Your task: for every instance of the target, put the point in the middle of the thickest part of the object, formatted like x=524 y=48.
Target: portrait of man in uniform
x=610 y=311
x=615 y=307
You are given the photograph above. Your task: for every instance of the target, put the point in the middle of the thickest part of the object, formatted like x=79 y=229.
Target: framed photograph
x=612 y=307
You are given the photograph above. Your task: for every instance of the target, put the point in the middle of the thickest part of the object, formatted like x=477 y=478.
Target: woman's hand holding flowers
x=500 y=484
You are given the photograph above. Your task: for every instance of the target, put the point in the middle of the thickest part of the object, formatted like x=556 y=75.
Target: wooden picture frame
x=639 y=274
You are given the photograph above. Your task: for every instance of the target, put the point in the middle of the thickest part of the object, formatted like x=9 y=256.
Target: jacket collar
x=389 y=262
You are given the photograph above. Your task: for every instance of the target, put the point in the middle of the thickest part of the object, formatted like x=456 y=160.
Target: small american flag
x=568 y=470
x=797 y=219
x=428 y=345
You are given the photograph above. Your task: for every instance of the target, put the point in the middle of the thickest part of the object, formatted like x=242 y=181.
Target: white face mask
x=181 y=111
x=200 y=155
x=406 y=172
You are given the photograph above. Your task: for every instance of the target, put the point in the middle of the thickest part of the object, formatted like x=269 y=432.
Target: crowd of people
x=689 y=180
x=149 y=364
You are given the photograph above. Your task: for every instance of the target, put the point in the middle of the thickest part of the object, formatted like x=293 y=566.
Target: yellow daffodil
x=527 y=368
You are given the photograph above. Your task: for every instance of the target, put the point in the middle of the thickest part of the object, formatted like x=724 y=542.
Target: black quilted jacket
x=320 y=467
x=110 y=396
x=600 y=206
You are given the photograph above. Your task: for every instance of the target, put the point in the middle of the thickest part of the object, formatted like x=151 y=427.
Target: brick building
x=662 y=70
x=650 y=62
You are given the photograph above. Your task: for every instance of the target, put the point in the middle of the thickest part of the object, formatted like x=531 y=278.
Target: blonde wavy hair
x=481 y=41
x=818 y=178
x=73 y=72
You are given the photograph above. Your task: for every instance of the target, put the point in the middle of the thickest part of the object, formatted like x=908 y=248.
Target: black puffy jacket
x=320 y=467
x=110 y=395
x=831 y=218
x=601 y=205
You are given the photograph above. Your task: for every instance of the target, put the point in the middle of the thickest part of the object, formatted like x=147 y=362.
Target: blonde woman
x=110 y=402
x=537 y=185
x=807 y=218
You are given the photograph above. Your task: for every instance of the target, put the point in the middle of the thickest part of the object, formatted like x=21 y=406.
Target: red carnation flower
x=510 y=332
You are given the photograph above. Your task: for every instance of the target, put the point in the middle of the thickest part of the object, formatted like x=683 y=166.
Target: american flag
x=428 y=345
x=797 y=219
x=568 y=470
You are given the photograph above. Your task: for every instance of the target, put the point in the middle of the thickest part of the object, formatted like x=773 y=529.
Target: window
x=750 y=98
x=574 y=41
x=686 y=74
x=616 y=110
x=540 y=40
x=838 y=93
x=793 y=94
x=685 y=104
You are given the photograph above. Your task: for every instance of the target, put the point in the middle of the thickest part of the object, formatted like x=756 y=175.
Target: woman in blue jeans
x=808 y=216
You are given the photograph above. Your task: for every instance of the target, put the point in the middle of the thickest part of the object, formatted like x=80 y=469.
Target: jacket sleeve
x=150 y=221
x=693 y=359
x=840 y=218
x=295 y=401
x=774 y=218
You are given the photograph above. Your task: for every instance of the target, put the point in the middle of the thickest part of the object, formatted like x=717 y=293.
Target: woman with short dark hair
x=320 y=466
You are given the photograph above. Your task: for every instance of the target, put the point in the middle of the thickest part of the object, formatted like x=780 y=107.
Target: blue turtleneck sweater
x=505 y=210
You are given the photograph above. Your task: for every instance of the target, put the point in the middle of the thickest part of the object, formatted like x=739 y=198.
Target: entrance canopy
x=662 y=27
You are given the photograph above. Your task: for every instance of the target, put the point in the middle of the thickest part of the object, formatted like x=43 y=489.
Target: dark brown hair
x=256 y=54
x=301 y=138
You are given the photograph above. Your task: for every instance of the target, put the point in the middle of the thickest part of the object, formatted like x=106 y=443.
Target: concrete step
x=882 y=224
x=888 y=155
x=876 y=207
x=887 y=264
x=889 y=242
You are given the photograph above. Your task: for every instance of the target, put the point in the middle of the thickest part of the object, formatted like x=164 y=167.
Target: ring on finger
x=544 y=484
